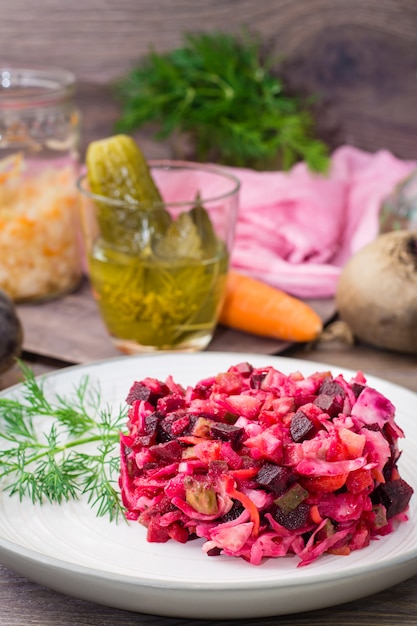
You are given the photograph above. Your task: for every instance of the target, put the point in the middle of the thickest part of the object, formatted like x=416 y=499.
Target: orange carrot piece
x=250 y=506
x=255 y=307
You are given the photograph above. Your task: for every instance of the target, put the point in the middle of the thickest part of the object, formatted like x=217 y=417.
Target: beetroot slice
x=301 y=427
x=394 y=495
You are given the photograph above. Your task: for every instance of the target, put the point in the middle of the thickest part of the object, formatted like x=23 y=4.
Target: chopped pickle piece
x=202 y=427
x=291 y=498
x=201 y=496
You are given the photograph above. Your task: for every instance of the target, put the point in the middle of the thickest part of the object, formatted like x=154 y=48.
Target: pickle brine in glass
x=158 y=303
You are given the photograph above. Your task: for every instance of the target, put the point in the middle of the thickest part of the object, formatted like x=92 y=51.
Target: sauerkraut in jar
x=40 y=256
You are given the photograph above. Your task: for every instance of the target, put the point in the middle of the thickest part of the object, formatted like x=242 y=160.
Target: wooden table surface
x=53 y=340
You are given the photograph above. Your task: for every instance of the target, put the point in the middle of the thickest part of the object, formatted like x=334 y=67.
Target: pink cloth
x=297 y=229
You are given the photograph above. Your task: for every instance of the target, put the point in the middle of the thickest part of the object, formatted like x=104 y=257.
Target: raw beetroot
x=262 y=464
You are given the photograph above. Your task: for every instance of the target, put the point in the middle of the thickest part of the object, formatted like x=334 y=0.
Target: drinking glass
x=158 y=274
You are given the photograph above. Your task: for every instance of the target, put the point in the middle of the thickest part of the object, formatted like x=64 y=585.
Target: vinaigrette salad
x=262 y=464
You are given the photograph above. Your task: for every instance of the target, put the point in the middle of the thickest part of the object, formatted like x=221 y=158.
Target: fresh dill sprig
x=221 y=91
x=44 y=455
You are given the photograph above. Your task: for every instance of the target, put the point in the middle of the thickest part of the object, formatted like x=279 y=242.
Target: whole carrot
x=255 y=307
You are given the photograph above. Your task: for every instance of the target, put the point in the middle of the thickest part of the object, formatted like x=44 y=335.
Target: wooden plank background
x=360 y=56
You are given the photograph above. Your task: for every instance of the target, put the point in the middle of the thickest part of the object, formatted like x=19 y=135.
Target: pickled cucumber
x=117 y=170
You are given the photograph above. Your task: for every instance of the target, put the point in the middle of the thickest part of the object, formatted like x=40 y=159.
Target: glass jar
x=40 y=254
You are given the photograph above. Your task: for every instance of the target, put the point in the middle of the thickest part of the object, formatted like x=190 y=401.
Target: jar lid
x=25 y=87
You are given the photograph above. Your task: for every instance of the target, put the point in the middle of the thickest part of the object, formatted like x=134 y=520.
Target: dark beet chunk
x=297 y=518
x=331 y=387
x=332 y=405
x=170 y=403
x=357 y=389
x=256 y=379
x=245 y=369
x=301 y=427
x=373 y=427
x=214 y=551
x=394 y=456
x=168 y=452
x=236 y=510
x=394 y=496
x=151 y=428
x=147 y=392
x=331 y=397
x=203 y=388
x=227 y=432
x=138 y=391
x=165 y=432
x=275 y=478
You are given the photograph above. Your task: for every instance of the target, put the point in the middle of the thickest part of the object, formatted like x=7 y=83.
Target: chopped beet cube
x=357 y=389
x=214 y=551
x=332 y=405
x=275 y=478
x=301 y=427
x=209 y=415
x=304 y=399
x=149 y=390
x=156 y=533
x=245 y=369
x=331 y=387
x=171 y=403
x=180 y=424
x=168 y=452
x=236 y=510
x=394 y=495
x=203 y=388
x=148 y=437
x=392 y=461
x=174 y=425
x=297 y=518
x=256 y=380
x=166 y=429
x=227 y=432
x=138 y=391
x=373 y=427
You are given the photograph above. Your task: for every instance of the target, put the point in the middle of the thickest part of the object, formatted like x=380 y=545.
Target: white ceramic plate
x=70 y=550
